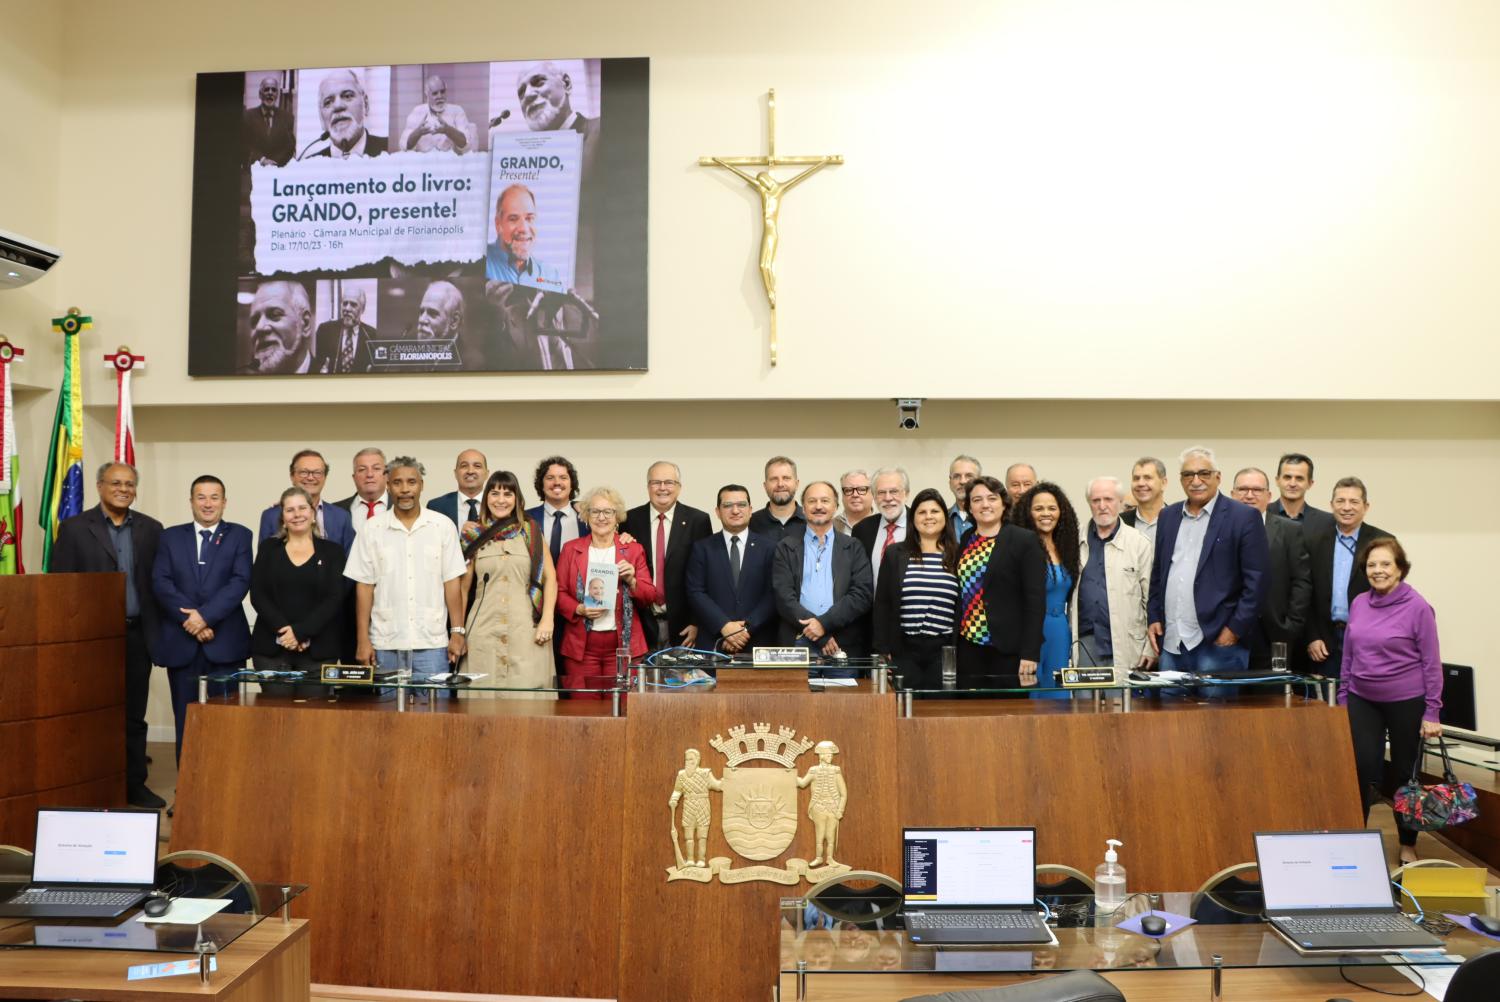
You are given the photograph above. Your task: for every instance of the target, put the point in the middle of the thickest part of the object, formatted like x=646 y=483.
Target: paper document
x=187 y=911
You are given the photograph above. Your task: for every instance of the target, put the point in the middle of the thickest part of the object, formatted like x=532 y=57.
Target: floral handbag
x=1428 y=808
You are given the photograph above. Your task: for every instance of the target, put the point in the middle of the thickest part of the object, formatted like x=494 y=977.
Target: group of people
x=1006 y=574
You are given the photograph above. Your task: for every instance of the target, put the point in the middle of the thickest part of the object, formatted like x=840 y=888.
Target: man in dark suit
x=1294 y=478
x=1283 y=618
x=371 y=497
x=822 y=583
x=310 y=472
x=465 y=504
x=668 y=531
x=107 y=538
x=876 y=535
x=343 y=345
x=556 y=484
x=1208 y=575
x=267 y=128
x=729 y=579
x=1338 y=575
x=343 y=106
x=200 y=579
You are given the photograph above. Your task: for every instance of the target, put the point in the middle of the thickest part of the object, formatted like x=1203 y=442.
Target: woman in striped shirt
x=916 y=598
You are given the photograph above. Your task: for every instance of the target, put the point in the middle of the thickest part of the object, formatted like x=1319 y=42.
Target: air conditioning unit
x=23 y=261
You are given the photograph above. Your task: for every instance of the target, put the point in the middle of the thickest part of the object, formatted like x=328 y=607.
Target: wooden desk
x=270 y=963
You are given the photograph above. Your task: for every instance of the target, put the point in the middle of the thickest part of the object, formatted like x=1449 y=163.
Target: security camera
x=910 y=409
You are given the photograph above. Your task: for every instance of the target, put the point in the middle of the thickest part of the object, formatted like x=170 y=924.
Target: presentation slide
x=1330 y=870
x=969 y=867
x=459 y=217
x=95 y=847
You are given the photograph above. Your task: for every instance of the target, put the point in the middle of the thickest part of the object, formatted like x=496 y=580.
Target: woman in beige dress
x=514 y=589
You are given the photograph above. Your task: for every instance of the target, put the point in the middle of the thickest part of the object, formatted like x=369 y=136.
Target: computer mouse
x=1485 y=924
x=157 y=907
x=1153 y=925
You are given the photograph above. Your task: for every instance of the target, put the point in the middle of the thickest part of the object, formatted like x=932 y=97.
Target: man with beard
x=342 y=345
x=343 y=105
x=435 y=124
x=509 y=258
x=281 y=327
x=545 y=93
x=441 y=315
x=465 y=504
x=781 y=516
x=267 y=128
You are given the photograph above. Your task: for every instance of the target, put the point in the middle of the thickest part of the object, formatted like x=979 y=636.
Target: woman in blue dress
x=1046 y=511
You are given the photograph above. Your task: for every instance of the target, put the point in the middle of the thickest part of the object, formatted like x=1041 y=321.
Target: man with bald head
x=436 y=124
x=267 y=128
x=440 y=317
x=343 y=106
x=342 y=345
x=281 y=329
x=465 y=505
x=510 y=258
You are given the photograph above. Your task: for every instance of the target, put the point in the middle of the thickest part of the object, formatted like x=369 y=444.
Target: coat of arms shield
x=760 y=811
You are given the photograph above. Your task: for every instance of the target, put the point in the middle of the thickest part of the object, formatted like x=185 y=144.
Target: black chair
x=1075 y=986
x=1475 y=979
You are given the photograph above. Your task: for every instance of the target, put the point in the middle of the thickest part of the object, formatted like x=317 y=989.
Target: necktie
x=473 y=510
x=204 y=536
x=661 y=552
x=734 y=560
x=890 y=537
x=370 y=508
x=346 y=353
x=555 y=543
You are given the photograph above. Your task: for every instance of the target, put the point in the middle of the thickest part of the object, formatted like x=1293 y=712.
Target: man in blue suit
x=729 y=579
x=200 y=577
x=466 y=503
x=1210 y=575
x=310 y=472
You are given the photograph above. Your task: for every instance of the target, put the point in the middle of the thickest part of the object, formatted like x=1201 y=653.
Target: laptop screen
x=95 y=847
x=969 y=866
x=1323 y=870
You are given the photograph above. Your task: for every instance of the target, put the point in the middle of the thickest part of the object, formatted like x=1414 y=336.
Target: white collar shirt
x=408 y=568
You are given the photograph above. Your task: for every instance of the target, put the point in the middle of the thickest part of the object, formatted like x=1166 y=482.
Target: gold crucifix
x=771 y=192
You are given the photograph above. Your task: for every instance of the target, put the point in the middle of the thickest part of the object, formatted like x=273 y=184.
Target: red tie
x=661 y=552
x=370 y=508
x=890 y=537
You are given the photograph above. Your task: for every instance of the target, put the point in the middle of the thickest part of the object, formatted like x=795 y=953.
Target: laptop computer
x=1330 y=892
x=971 y=886
x=89 y=863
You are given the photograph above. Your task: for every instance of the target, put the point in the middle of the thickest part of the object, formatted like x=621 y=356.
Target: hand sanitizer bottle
x=1109 y=880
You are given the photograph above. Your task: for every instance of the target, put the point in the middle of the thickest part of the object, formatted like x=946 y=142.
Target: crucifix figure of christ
x=771 y=192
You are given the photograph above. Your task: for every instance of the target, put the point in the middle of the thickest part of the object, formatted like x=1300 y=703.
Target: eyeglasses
x=894 y=492
x=734 y=505
x=654 y=484
x=856 y=492
x=601 y=513
x=1199 y=474
x=1251 y=490
x=310 y=473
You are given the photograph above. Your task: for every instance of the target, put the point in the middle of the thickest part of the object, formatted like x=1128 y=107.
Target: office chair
x=15 y=863
x=1068 y=880
x=1075 y=986
x=1396 y=873
x=194 y=873
x=1474 y=981
x=860 y=896
x=1232 y=892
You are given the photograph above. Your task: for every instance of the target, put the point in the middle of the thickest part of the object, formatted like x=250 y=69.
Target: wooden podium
x=62 y=696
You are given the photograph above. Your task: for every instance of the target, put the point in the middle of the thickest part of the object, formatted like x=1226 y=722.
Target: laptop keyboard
x=106 y=899
x=973 y=920
x=1345 y=923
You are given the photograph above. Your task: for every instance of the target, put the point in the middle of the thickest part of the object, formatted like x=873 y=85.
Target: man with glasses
x=668 y=529
x=1284 y=615
x=854 y=487
x=729 y=579
x=1209 y=574
x=107 y=538
x=310 y=472
x=961 y=473
x=1338 y=576
x=876 y=535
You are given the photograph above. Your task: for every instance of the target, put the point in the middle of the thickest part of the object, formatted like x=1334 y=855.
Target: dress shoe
x=141 y=796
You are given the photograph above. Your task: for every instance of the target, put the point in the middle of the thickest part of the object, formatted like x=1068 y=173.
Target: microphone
x=322 y=138
x=494 y=122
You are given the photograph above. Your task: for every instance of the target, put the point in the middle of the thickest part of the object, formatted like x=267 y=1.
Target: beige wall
x=1042 y=201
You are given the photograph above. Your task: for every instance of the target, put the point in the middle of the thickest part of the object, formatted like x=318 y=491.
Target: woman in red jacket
x=596 y=576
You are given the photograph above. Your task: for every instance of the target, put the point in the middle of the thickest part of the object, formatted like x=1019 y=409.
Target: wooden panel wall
x=1184 y=790
x=733 y=927
x=446 y=852
x=62 y=696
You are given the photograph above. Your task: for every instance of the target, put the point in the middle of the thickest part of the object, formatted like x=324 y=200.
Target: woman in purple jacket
x=1392 y=679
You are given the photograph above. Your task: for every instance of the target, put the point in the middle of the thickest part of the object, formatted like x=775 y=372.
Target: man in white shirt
x=1148 y=486
x=435 y=124
x=406 y=568
x=878 y=534
x=370 y=497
